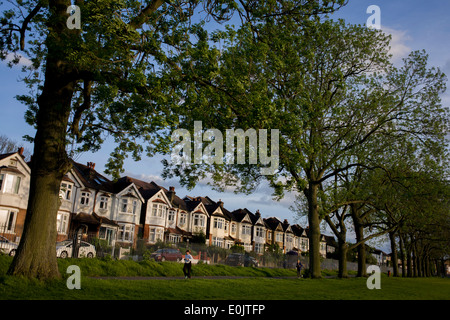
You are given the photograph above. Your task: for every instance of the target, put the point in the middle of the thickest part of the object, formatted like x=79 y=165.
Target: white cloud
x=23 y=61
x=399 y=48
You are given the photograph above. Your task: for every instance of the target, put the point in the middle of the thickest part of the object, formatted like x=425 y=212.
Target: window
x=66 y=191
x=183 y=219
x=246 y=229
x=226 y=225
x=259 y=232
x=218 y=223
x=233 y=228
x=304 y=244
x=61 y=222
x=174 y=238
x=125 y=208
x=199 y=220
x=279 y=237
x=218 y=242
x=123 y=205
x=171 y=216
x=155 y=235
x=7 y=220
x=106 y=234
x=126 y=233
x=85 y=196
x=159 y=210
x=103 y=203
x=10 y=183
x=135 y=206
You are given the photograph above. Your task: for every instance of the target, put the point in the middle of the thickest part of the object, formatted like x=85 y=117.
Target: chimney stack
x=171 y=193
x=258 y=214
x=20 y=151
x=220 y=202
x=91 y=165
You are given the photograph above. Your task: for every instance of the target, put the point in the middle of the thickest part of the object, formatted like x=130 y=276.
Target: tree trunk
x=314 y=231
x=343 y=249
x=415 y=260
x=359 y=231
x=394 y=254
x=402 y=254
x=409 y=261
x=36 y=254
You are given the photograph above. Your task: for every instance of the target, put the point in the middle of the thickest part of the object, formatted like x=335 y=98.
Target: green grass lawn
x=262 y=284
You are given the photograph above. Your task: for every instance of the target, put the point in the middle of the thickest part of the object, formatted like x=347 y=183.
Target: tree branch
x=144 y=15
x=25 y=25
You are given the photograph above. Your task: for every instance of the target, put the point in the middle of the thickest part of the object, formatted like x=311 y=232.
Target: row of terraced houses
x=128 y=209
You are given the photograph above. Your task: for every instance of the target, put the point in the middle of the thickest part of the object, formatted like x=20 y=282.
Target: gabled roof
x=20 y=158
x=298 y=231
x=146 y=189
x=193 y=203
x=6 y=155
x=273 y=224
x=91 y=179
x=255 y=217
x=286 y=226
x=149 y=189
x=241 y=214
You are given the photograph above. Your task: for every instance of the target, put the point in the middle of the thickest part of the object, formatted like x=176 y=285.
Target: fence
x=200 y=252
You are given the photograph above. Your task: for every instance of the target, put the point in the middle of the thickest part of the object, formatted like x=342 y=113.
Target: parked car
x=64 y=249
x=240 y=259
x=168 y=254
x=7 y=247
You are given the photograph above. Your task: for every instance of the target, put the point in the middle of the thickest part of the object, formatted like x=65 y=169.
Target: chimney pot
x=172 y=189
x=20 y=151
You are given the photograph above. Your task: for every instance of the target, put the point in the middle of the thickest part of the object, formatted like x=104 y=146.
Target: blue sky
x=414 y=25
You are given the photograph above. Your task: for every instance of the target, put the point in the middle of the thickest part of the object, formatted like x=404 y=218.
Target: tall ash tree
x=117 y=76
x=327 y=86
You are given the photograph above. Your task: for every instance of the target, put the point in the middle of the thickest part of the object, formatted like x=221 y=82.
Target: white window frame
x=85 y=198
x=183 y=219
x=62 y=222
x=159 y=210
x=259 y=232
x=279 y=237
x=199 y=220
x=171 y=216
x=246 y=229
x=9 y=224
x=10 y=183
x=218 y=242
x=218 y=223
x=103 y=202
x=66 y=191
x=125 y=233
x=155 y=234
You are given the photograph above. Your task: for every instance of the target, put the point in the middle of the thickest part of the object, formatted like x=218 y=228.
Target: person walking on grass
x=187 y=264
x=299 y=269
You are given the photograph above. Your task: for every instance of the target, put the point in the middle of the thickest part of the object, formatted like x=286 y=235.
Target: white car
x=7 y=246
x=64 y=249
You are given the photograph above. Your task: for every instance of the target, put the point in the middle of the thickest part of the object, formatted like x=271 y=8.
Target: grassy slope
x=263 y=287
